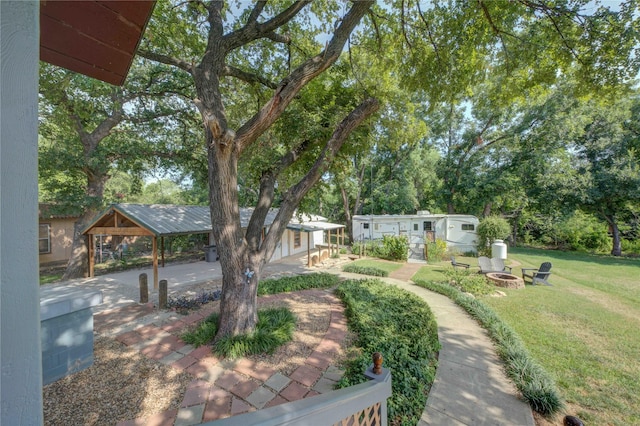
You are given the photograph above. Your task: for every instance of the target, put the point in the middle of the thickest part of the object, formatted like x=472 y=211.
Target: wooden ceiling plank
x=77 y=45
x=135 y=11
x=76 y=65
x=112 y=30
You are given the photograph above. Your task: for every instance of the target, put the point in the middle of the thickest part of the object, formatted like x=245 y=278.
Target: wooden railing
x=359 y=405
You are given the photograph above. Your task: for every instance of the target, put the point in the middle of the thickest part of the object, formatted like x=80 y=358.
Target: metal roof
x=314 y=226
x=166 y=219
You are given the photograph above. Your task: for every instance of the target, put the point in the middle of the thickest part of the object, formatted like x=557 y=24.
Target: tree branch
x=247 y=77
x=294 y=82
x=166 y=59
x=253 y=30
x=298 y=191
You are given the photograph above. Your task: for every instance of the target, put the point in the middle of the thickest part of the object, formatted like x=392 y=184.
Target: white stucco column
x=20 y=357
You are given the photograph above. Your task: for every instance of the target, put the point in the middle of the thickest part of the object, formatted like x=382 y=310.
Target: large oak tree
x=202 y=40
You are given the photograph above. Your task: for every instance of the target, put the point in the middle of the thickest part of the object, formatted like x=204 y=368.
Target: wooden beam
x=162 y=249
x=309 y=249
x=92 y=250
x=129 y=231
x=155 y=262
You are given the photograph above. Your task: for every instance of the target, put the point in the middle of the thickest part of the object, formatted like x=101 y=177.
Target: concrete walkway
x=470 y=387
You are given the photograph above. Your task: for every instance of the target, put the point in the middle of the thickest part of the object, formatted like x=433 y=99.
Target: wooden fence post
x=162 y=295
x=144 y=288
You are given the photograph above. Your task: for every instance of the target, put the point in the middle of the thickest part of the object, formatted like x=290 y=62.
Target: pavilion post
x=92 y=257
x=308 y=248
x=162 y=250
x=155 y=262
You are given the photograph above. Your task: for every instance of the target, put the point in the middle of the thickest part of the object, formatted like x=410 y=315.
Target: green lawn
x=584 y=330
x=384 y=265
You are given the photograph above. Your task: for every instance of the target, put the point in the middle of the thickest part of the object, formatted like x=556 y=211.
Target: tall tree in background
x=88 y=129
x=608 y=164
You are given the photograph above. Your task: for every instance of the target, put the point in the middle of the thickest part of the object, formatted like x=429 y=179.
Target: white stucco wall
x=20 y=358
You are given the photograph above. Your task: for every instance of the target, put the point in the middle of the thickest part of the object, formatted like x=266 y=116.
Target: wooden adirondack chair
x=492 y=265
x=498 y=265
x=455 y=264
x=539 y=275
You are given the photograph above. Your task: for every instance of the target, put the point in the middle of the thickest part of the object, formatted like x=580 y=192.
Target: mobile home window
x=296 y=239
x=44 y=238
x=415 y=226
x=365 y=226
x=426 y=226
x=468 y=227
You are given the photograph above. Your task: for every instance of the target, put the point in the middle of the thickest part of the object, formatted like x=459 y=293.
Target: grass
x=402 y=328
x=583 y=330
x=375 y=267
x=275 y=327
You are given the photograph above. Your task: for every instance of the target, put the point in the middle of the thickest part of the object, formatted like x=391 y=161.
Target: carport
x=151 y=220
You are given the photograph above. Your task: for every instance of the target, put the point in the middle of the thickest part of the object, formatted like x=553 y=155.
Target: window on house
x=365 y=226
x=296 y=239
x=44 y=238
x=468 y=227
x=415 y=226
x=427 y=226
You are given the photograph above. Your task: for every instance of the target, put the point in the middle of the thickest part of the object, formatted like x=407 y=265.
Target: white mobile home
x=457 y=230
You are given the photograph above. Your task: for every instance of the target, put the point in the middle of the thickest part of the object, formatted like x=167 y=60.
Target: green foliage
x=468 y=282
x=491 y=228
x=365 y=270
x=536 y=385
x=402 y=328
x=275 y=327
x=371 y=248
x=435 y=251
x=395 y=247
x=583 y=233
x=297 y=282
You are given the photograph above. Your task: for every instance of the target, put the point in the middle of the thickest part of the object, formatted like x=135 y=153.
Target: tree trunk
x=616 y=249
x=78 y=264
x=450 y=208
x=487 y=209
x=347 y=212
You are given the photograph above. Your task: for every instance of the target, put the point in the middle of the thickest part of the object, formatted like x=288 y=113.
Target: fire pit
x=503 y=279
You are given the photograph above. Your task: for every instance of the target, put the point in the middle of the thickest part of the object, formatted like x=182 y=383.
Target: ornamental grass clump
x=297 y=282
x=402 y=328
x=275 y=327
x=365 y=270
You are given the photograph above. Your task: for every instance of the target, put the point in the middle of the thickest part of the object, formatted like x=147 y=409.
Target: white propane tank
x=499 y=249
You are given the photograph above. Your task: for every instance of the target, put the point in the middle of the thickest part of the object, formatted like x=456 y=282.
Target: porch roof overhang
x=314 y=226
x=93 y=37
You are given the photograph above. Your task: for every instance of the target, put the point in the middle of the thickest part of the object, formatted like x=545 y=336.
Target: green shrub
x=491 y=228
x=395 y=247
x=435 y=251
x=469 y=282
x=365 y=270
x=402 y=328
x=368 y=248
x=582 y=232
x=275 y=327
x=297 y=282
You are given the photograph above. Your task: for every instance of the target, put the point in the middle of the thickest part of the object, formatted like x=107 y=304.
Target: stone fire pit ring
x=506 y=280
